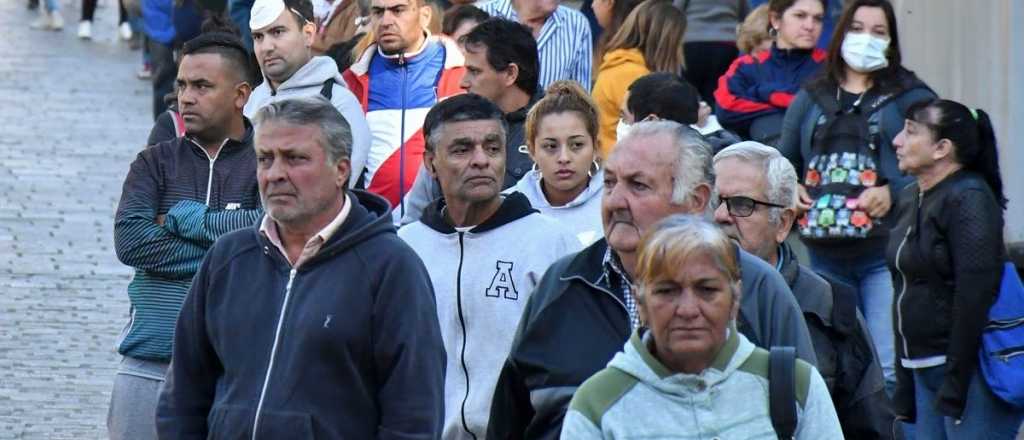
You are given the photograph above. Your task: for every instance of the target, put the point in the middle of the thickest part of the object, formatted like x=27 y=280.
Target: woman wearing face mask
x=947 y=251
x=838 y=133
x=754 y=93
x=650 y=40
x=561 y=136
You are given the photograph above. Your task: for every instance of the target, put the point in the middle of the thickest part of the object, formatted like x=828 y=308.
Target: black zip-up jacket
x=347 y=346
x=846 y=355
x=946 y=255
x=574 y=324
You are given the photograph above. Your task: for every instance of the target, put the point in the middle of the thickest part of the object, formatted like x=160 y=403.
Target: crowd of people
x=413 y=219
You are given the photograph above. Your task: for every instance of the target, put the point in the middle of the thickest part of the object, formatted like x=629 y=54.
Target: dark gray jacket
x=846 y=355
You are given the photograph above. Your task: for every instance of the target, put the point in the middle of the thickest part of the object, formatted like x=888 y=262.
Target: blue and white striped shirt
x=564 y=45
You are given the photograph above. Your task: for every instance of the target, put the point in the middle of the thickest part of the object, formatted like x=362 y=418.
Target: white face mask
x=621 y=130
x=864 y=52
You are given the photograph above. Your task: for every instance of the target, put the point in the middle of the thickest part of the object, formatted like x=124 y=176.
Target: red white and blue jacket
x=763 y=83
x=396 y=92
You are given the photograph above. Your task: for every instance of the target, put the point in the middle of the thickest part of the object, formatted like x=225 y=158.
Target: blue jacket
x=346 y=346
x=762 y=84
x=158 y=20
x=200 y=198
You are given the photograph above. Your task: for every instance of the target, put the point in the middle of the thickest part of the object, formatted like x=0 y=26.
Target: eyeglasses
x=740 y=206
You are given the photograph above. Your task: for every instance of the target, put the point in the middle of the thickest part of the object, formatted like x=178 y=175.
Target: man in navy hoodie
x=319 y=322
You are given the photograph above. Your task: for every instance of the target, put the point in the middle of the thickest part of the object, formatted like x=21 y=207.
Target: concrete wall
x=972 y=51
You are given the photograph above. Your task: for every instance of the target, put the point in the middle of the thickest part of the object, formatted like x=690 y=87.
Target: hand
x=160 y=219
x=702 y=114
x=876 y=201
x=803 y=200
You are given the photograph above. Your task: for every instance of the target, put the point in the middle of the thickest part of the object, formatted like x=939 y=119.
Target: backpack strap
x=327 y=91
x=782 y=391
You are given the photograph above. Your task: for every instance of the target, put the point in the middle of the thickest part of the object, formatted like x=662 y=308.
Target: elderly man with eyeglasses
x=756 y=187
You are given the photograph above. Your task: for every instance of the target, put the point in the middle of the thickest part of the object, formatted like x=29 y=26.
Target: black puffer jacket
x=946 y=254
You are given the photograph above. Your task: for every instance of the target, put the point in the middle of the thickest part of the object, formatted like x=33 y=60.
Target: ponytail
x=986 y=162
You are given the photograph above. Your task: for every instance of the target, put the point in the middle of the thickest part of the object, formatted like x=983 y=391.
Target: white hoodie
x=309 y=80
x=582 y=215
x=482 y=279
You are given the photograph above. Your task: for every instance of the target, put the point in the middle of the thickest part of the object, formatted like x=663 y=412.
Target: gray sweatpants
x=132 y=413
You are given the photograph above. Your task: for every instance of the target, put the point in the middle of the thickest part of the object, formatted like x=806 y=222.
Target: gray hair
x=779 y=175
x=335 y=132
x=692 y=166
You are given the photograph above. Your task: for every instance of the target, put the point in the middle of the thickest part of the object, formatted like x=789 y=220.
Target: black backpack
x=782 y=391
x=844 y=161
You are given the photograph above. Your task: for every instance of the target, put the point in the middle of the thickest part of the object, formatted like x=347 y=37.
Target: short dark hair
x=459 y=108
x=301 y=10
x=228 y=46
x=459 y=14
x=507 y=42
x=665 y=95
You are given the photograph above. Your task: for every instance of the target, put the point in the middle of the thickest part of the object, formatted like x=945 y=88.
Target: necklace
x=839 y=91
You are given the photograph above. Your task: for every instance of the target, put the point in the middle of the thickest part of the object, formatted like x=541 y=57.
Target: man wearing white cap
x=397 y=80
x=282 y=33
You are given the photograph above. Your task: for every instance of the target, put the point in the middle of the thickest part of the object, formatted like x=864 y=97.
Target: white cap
x=264 y=12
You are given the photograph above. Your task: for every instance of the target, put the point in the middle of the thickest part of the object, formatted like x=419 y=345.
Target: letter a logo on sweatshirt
x=501 y=284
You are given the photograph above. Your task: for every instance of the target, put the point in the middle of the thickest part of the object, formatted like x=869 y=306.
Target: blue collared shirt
x=564 y=44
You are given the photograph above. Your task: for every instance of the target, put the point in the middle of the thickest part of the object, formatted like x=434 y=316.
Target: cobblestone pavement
x=72 y=117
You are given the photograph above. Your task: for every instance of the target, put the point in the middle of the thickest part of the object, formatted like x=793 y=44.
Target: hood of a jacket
x=530 y=185
x=619 y=57
x=369 y=216
x=313 y=74
x=636 y=360
x=513 y=207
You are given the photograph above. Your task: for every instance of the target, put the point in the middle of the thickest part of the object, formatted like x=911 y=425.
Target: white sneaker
x=56 y=21
x=85 y=30
x=42 y=21
x=125 y=31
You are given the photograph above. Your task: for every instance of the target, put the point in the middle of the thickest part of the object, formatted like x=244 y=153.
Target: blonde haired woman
x=650 y=40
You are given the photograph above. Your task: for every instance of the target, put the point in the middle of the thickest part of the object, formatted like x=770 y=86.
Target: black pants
x=88 y=9
x=164 y=73
x=705 y=63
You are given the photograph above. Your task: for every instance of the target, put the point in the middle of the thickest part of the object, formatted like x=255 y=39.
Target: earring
x=596 y=169
x=534 y=168
x=773 y=33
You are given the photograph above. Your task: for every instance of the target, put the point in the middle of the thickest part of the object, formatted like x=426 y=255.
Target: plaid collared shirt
x=617 y=281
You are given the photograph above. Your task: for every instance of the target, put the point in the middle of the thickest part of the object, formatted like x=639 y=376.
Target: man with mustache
x=317 y=322
x=582 y=311
x=397 y=80
x=282 y=33
x=757 y=189
x=485 y=253
x=178 y=198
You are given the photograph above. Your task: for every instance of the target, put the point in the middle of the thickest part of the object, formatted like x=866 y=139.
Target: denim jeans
x=873 y=281
x=52 y=6
x=984 y=417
